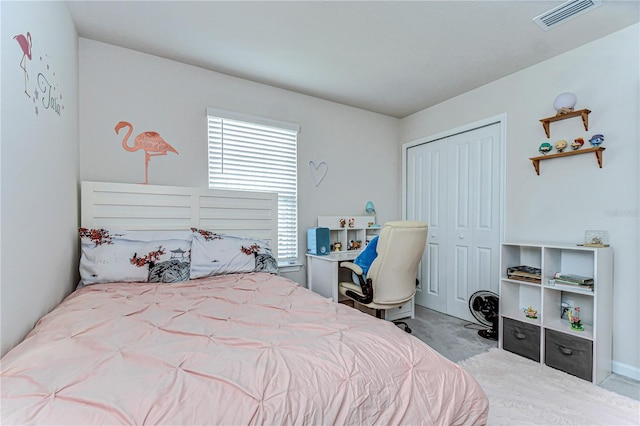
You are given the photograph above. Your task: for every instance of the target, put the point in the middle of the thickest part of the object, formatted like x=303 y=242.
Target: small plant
x=574 y=319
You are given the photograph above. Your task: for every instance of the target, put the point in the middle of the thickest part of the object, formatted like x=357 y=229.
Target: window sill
x=289 y=267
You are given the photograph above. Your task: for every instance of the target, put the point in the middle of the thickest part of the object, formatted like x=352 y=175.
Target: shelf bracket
x=536 y=165
x=599 y=157
x=585 y=119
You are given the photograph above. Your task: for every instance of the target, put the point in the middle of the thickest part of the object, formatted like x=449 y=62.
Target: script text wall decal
x=42 y=90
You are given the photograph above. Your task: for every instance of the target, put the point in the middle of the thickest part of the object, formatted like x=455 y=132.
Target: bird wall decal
x=150 y=142
x=25 y=45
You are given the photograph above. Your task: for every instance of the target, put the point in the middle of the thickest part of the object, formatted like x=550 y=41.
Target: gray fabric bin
x=568 y=353
x=521 y=338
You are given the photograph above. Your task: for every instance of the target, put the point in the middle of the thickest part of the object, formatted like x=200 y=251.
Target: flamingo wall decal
x=25 y=45
x=151 y=142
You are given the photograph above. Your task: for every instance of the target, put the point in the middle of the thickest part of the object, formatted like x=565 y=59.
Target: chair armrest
x=356 y=270
x=366 y=286
x=350 y=265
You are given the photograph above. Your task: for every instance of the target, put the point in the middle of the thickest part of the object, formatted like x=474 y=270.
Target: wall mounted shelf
x=597 y=151
x=584 y=113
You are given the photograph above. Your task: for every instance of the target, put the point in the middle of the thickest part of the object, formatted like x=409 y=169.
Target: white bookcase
x=549 y=338
x=364 y=229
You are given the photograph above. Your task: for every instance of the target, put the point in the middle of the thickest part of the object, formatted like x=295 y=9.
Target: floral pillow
x=134 y=256
x=217 y=254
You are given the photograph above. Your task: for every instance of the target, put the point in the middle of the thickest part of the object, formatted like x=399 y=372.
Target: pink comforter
x=231 y=350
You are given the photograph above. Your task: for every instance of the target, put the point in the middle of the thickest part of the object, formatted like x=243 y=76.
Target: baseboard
x=625 y=370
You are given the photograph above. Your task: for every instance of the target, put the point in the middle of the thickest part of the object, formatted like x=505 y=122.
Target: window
x=255 y=154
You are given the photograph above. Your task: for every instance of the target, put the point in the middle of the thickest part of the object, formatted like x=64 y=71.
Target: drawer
x=521 y=338
x=568 y=353
x=404 y=311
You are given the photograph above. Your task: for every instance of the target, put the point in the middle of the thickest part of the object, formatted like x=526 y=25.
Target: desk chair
x=391 y=279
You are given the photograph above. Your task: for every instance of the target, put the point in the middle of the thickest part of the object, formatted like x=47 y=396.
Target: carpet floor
x=458 y=340
x=524 y=392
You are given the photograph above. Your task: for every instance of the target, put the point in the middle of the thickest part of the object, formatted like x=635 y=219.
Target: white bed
x=237 y=348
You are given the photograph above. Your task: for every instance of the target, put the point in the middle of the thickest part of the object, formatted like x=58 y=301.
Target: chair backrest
x=393 y=272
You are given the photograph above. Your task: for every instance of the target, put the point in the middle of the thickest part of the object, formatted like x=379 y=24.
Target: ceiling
x=390 y=57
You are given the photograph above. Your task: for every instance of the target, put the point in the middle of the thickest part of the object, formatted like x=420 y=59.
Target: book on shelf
x=573 y=278
x=524 y=273
x=587 y=288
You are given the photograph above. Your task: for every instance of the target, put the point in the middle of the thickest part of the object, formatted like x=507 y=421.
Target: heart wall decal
x=318 y=172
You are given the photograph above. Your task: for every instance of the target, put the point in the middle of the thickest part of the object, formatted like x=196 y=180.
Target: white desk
x=324 y=276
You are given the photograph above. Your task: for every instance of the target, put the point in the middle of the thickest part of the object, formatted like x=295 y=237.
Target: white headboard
x=127 y=206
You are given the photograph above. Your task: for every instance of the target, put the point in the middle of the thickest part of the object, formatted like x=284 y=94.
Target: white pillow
x=134 y=256
x=217 y=254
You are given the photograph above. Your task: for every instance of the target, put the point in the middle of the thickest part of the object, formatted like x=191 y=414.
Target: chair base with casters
x=391 y=279
x=363 y=294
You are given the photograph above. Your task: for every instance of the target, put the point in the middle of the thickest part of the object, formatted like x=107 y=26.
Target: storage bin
x=521 y=338
x=568 y=353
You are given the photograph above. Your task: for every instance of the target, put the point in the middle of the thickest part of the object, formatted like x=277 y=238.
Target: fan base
x=490 y=334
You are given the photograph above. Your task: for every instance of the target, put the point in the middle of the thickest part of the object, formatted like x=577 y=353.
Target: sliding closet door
x=427 y=201
x=454 y=185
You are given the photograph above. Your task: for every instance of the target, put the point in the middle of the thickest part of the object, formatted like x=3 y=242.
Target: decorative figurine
x=574 y=320
x=577 y=143
x=545 y=147
x=596 y=140
x=338 y=246
x=352 y=223
x=530 y=313
x=561 y=145
x=342 y=223
x=594 y=238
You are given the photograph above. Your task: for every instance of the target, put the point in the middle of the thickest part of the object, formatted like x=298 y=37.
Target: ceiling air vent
x=567 y=10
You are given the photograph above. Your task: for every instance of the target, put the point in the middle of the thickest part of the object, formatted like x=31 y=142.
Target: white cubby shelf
x=549 y=338
x=364 y=229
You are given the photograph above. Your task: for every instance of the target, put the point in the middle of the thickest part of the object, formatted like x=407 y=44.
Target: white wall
x=170 y=97
x=571 y=194
x=39 y=213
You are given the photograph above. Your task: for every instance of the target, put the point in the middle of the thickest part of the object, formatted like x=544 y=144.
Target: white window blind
x=254 y=154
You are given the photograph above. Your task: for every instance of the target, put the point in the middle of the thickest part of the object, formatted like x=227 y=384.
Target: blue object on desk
x=318 y=241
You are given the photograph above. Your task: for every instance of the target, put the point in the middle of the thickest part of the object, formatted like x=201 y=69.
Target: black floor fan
x=483 y=305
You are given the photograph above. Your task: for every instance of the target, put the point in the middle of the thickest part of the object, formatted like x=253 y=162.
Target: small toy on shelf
x=531 y=313
x=545 y=147
x=574 y=319
x=342 y=223
x=596 y=140
x=561 y=145
x=577 y=143
x=337 y=246
x=352 y=222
